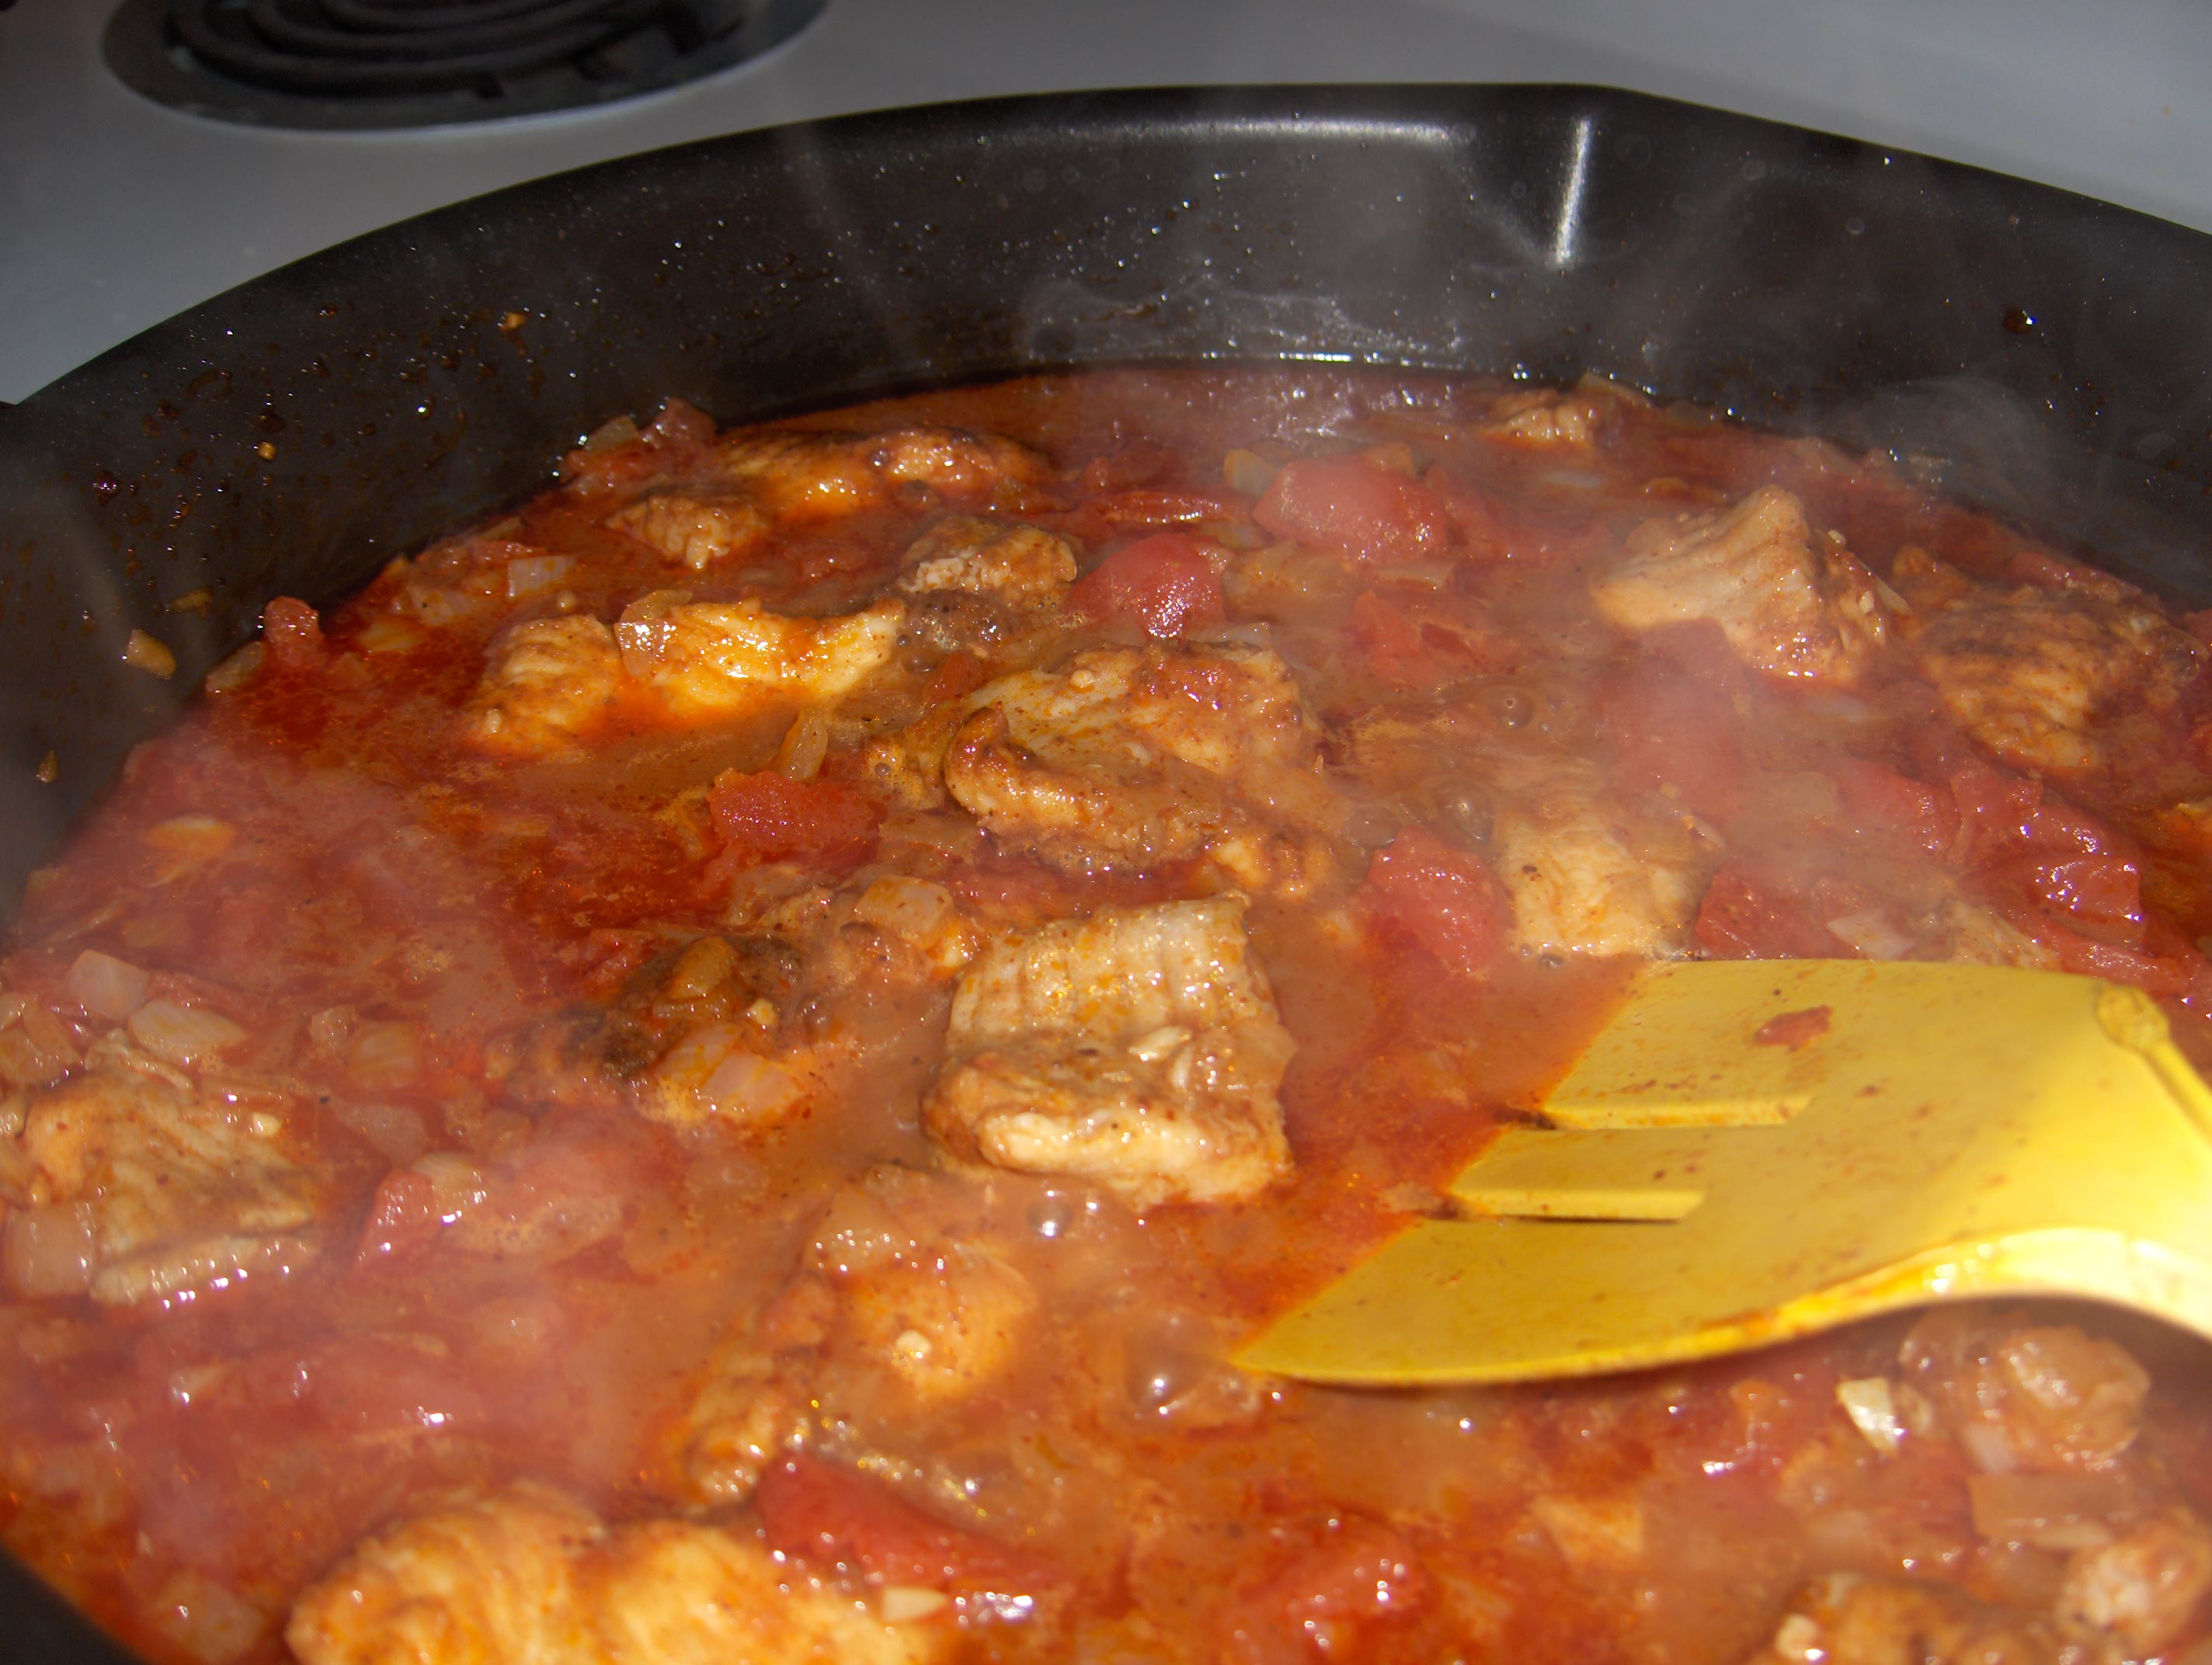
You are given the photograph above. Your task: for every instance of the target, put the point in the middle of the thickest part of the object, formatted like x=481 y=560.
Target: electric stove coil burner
x=412 y=63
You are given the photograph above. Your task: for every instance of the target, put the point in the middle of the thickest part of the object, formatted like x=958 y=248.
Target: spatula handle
x=2132 y=1018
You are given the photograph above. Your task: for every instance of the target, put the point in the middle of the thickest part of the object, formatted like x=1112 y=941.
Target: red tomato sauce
x=573 y=1059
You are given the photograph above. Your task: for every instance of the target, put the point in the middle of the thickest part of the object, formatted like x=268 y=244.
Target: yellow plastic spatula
x=1750 y=1151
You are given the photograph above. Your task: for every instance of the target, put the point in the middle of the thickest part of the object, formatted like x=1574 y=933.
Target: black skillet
x=2038 y=353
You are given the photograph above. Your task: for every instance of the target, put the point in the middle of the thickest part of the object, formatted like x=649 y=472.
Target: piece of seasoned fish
x=1137 y=1049
x=172 y=1189
x=1753 y=570
x=529 y=1577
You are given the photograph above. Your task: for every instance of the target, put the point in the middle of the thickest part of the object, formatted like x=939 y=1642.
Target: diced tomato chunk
x=2162 y=962
x=826 y=1514
x=403 y=1217
x=1347 y=503
x=1744 y=918
x=770 y=817
x=1308 y=1607
x=682 y=429
x=1445 y=901
x=1390 y=642
x=1485 y=527
x=1165 y=582
x=2103 y=891
x=1884 y=803
x=2070 y=882
x=958 y=673
x=293 y=634
x=2006 y=814
x=1427 y=651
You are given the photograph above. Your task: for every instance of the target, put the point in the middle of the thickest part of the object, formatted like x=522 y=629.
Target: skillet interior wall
x=2044 y=353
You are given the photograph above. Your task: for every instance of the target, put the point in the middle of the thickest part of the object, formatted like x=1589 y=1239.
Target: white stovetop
x=114 y=212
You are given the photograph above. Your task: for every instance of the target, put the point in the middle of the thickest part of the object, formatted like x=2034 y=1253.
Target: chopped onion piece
x=699 y=969
x=1800 y=1639
x=645 y=630
x=388 y=634
x=1247 y=471
x=142 y=651
x=116 y=1051
x=620 y=430
x=457 y=1184
x=804 y=744
x=1231 y=534
x=1916 y=1411
x=1155 y=1045
x=182 y=1034
x=530 y=574
x=693 y=1058
x=923 y=915
x=910 y=907
x=25 y=1063
x=1987 y=1449
x=195 y=835
x=746 y=1086
x=1394 y=455
x=902 y=1604
x=235 y=672
x=395 y=1130
x=1870 y=932
x=385 y=1055
x=105 y=986
x=1867 y=1401
x=1245 y=633
x=13 y=1006
x=1436 y=574
x=328 y=1029
x=48 y=1033
x=440 y=604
